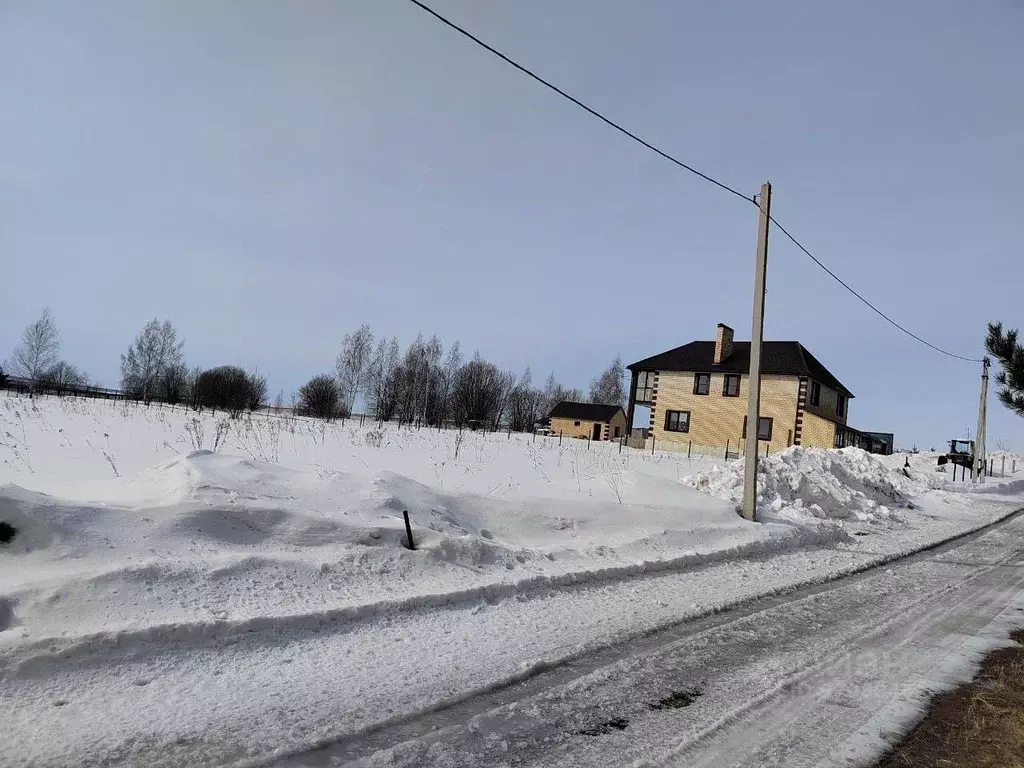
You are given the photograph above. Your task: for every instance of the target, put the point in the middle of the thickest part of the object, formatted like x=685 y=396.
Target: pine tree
x=1010 y=356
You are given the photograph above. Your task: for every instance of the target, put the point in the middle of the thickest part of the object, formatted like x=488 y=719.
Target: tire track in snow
x=542 y=718
x=239 y=702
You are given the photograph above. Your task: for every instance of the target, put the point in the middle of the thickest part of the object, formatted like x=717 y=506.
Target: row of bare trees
x=426 y=384
x=154 y=368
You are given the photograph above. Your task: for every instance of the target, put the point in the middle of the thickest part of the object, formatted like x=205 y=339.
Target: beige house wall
x=716 y=420
x=618 y=420
x=827 y=405
x=818 y=432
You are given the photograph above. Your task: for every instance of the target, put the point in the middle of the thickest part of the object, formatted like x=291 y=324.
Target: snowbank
x=802 y=483
x=807 y=485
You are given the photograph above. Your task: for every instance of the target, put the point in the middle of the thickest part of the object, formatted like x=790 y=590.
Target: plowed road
x=817 y=677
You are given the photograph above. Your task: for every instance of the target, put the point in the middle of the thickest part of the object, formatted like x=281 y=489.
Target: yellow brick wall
x=715 y=419
x=568 y=427
x=618 y=420
x=827 y=404
x=818 y=432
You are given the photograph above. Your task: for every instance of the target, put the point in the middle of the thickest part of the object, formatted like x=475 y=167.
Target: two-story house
x=697 y=394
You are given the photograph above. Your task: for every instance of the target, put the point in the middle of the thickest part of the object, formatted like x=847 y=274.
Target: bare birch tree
x=38 y=351
x=155 y=349
x=382 y=385
x=554 y=393
x=353 y=363
x=63 y=377
x=610 y=387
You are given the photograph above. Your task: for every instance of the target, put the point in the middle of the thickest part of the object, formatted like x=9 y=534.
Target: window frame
x=576 y=423
x=696 y=384
x=771 y=426
x=678 y=414
x=814 y=396
x=725 y=384
x=645 y=385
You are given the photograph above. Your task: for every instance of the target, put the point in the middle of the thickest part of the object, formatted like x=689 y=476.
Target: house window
x=618 y=431
x=702 y=383
x=731 y=386
x=764 y=428
x=677 y=421
x=645 y=386
x=815 y=393
x=840 y=404
x=575 y=423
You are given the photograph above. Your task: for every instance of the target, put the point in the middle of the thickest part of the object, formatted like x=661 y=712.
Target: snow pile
x=802 y=484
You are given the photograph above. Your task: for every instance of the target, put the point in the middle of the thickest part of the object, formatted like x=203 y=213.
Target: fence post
x=408 y=531
x=588 y=441
x=991 y=466
x=535 y=434
x=621 y=441
x=559 y=437
x=1002 y=472
x=689 y=447
x=767 y=449
x=510 y=430
x=653 y=438
x=727 y=449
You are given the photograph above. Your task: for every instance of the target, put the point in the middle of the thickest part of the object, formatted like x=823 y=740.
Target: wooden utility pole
x=756 y=334
x=978 y=470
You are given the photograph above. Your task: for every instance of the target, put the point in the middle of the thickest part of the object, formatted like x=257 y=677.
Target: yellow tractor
x=960 y=452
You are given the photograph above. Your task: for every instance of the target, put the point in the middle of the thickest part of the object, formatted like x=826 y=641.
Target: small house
x=588 y=420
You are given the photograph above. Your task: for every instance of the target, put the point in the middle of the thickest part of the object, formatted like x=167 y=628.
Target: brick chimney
x=723 y=343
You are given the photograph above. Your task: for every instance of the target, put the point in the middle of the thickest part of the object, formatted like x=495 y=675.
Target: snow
x=255 y=567
x=805 y=484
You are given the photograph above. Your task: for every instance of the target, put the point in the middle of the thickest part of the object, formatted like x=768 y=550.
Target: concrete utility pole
x=754 y=379
x=978 y=470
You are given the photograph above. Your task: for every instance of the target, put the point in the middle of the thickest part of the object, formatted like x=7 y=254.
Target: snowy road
x=551 y=676
x=814 y=678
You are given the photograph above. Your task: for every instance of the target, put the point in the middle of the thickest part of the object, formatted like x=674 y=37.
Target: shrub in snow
x=320 y=397
x=374 y=438
x=7 y=532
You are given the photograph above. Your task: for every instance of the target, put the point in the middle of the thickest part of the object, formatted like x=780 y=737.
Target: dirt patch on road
x=978 y=725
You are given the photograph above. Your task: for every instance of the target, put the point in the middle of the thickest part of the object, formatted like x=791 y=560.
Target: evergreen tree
x=1003 y=346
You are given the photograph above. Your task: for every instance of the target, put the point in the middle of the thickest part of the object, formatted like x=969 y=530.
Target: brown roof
x=584 y=411
x=786 y=358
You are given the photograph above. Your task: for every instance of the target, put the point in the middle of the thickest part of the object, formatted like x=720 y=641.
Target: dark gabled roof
x=786 y=358
x=584 y=411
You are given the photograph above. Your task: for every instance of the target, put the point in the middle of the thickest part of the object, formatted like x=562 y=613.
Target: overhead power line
x=875 y=309
x=643 y=142
x=577 y=102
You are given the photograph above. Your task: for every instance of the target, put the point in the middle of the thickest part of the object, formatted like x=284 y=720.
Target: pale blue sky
x=271 y=174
